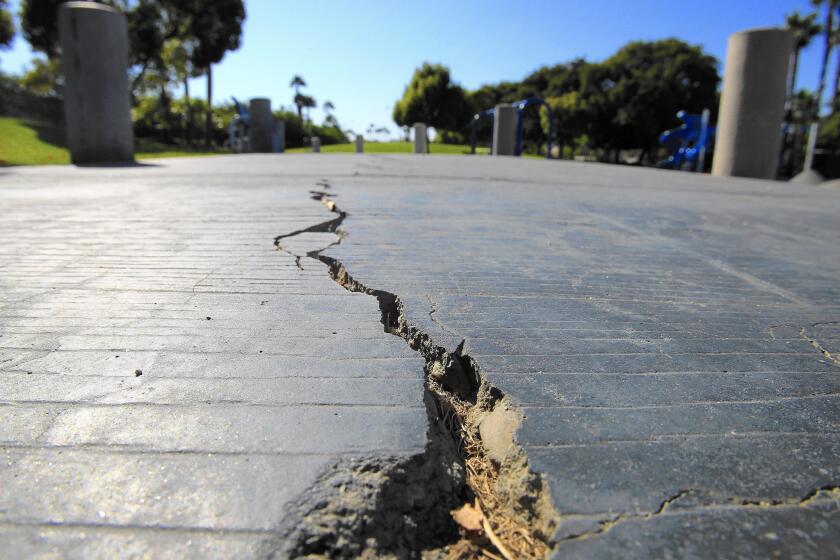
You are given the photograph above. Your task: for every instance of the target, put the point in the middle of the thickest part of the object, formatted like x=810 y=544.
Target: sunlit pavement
x=172 y=383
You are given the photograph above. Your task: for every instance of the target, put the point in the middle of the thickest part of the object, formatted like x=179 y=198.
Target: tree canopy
x=624 y=102
x=431 y=97
x=7 y=26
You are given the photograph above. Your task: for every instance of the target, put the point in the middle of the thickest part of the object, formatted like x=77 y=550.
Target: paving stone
x=670 y=338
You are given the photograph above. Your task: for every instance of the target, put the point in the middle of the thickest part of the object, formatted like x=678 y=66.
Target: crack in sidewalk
x=829 y=494
x=471 y=457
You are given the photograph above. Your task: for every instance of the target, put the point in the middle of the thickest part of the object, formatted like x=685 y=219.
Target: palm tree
x=828 y=32
x=836 y=90
x=328 y=107
x=304 y=102
x=297 y=83
x=804 y=29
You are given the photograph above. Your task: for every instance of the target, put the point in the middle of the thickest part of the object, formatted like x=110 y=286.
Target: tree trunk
x=836 y=84
x=166 y=114
x=189 y=110
x=829 y=25
x=208 y=115
x=794 y=68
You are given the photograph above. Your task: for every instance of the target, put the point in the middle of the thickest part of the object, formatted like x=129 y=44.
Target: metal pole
x=702 y=140
x=550 y=128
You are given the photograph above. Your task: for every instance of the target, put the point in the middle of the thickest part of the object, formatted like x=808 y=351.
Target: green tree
x=646 y=83
x=432 y=98
x=44 y=77
x=304 y=101
x=147 y=33
x=176 y=57
x=216 y=28
x=7 y=26
x=804 y=29
x=297 y=83
x=39 y=24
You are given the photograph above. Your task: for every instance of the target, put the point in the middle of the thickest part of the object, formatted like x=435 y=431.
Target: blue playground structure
x=520 y=108
x=491 y=113
x=239 y=127
x=687 y=143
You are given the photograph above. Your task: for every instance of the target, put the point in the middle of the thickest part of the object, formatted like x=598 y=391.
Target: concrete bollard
x=504 y=130
x=316 y=145
x=97 y=109
x=360 y=144
x=262 y=125
x=749 y=131
x=420 y=146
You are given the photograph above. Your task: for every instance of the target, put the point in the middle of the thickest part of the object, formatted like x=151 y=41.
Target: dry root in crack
x=516 y=508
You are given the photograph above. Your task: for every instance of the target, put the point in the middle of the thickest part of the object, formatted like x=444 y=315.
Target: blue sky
x=361 y=54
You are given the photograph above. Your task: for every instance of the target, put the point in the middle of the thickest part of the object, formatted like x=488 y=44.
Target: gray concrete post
x=420 y=146
x=504 y=130
x=262 y=125
x=360 y=144
x=97 y=108
x=749 y=131
x=316 y=145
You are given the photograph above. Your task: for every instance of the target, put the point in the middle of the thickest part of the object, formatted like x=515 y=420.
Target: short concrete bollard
x=504 y=130
x=97 y=108
x=749 y=131
x=360 y=144
x=420 y=145
x=262 y=125
x=316 y=145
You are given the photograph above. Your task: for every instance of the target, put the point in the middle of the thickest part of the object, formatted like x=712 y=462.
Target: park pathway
x=174 y=383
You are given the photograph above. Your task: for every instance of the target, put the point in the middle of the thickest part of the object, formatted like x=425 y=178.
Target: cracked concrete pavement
x=670 y=340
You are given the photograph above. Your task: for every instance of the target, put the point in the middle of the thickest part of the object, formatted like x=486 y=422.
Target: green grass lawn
x=29 y=143
x=25 y=142
x=390 y=148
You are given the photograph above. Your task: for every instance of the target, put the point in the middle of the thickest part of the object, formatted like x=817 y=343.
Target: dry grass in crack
x=513 y=532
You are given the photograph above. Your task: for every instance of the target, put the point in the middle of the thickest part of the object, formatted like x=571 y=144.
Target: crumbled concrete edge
x=476 y=416
x=381 y=506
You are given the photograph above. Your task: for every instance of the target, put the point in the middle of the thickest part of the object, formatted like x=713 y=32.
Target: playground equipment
x=687 y=143
x=239 y=128
x=491 y=113
x=520 y=108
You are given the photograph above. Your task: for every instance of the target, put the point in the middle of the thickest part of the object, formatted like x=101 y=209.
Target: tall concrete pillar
x=749 y=131
x=316 y=145
x=262 y=125
x=420 y=146
x=504 y=130
x=97 y=109
x=360 y=144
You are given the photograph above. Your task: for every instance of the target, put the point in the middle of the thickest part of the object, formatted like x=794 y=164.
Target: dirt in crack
x=472 y=470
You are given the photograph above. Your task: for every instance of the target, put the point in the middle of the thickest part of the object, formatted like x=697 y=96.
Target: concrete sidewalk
x=668 y=338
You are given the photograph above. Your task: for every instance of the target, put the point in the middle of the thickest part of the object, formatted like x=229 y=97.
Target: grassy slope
x=27 y=143
x=389 y=148
x=24 y=142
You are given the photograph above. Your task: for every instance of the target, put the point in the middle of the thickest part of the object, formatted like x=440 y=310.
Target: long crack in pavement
x=402 y=506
